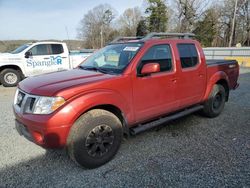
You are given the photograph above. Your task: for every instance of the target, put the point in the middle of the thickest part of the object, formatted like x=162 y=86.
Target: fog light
x=38 y=137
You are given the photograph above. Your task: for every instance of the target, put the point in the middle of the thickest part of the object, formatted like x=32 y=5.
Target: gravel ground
x=190 y=152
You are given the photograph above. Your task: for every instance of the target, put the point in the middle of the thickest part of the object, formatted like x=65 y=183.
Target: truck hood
x=52 y=83
x=8 y=57
x=5 y=54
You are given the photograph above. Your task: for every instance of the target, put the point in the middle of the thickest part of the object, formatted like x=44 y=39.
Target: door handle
x=174 y=80
x=64 y=57
x=46 y=58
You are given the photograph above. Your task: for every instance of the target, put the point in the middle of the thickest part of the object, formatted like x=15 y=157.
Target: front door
x=154 y=95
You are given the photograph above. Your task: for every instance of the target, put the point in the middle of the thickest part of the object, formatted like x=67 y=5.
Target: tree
x=129 y=20
x=210 y=20
x=95 y=26
x=158 y=17
x=141 y=29
x=244 y=22
x=225 y=14
x=188 y=13
x=207 y=28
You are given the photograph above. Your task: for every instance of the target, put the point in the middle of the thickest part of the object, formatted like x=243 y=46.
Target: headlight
x=47 y=105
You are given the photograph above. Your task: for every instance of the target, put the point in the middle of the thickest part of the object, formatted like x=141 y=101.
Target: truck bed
x=220 y=62
x=229 y=67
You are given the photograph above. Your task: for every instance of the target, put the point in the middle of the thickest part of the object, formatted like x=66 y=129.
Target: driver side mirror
x=27 y=54
x=150 y=68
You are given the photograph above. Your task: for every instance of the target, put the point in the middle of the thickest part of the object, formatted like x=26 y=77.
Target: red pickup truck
x=125 y=88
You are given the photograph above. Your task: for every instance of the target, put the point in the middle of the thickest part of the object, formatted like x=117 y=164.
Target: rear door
x=154 y=95
x=60 y=57
x=191 y=78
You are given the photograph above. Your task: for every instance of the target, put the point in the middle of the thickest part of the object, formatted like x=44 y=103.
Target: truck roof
x=47 y=42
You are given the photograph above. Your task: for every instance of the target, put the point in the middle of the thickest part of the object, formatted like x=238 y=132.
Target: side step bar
x=152 y=124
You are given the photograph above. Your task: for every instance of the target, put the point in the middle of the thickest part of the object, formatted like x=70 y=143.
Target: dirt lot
x=191 y=152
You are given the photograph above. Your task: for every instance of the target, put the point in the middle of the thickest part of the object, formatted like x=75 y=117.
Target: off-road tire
x=10 y=77
x=78 y=147
x=216 y=102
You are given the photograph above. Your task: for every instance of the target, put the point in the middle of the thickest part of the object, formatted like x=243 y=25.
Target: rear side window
x=188 y=55
x=159 y=54
x=57 y=48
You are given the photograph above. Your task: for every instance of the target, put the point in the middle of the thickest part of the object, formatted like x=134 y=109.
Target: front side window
x=158 y=54
x=40 y=49
x=113 y=58
x=188 y=55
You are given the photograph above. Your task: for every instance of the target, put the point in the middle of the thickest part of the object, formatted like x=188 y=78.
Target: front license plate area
x=23 y=131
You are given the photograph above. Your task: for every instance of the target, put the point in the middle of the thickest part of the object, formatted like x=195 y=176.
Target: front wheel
x=94 y=138
x=10 y=77
x=216 y=101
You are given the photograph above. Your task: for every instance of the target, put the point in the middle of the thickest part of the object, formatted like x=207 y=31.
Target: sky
x=49 y=19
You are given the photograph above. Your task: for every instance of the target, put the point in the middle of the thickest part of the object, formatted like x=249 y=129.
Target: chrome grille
x=24 y=102
x=32 y=102
x=20 y=98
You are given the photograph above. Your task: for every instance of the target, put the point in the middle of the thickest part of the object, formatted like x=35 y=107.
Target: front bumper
x=49 y=131
x=47 y=138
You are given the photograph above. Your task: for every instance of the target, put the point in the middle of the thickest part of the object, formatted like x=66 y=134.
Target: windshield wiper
x=97 y=69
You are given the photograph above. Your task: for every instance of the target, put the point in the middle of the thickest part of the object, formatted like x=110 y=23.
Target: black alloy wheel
x=216 y=101
x=99 y=141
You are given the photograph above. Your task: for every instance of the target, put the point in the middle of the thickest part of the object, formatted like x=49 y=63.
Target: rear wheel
x=216 y=101
x=10 y=77
x=95 y=138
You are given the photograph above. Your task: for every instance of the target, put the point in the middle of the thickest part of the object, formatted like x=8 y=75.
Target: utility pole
x=67 y=32
x=101 y=33
x=247 y=4
x=233 y=24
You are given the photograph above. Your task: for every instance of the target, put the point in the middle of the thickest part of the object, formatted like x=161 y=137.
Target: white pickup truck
x=37 y=58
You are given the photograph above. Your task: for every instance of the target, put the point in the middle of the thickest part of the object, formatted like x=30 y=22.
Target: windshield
x=113 y=58
x=20 y=49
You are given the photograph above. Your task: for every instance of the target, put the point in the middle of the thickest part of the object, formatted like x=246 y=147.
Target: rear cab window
x=158 y=54
x=188 y=55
